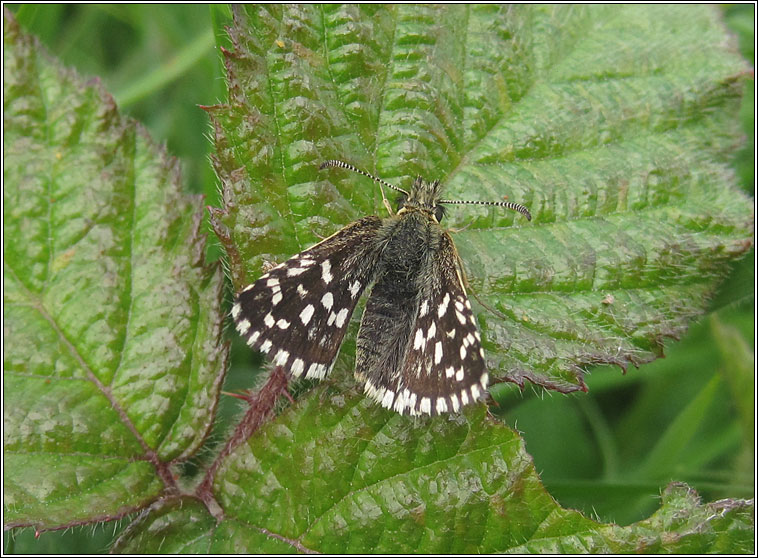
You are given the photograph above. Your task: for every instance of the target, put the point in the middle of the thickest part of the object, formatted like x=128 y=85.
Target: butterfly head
x=424 y=196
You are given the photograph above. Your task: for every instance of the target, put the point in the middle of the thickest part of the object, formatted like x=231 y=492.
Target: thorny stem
x=222 y=232
x=261 y=406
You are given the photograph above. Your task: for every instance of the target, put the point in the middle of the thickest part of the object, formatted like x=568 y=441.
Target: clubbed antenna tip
x=510 y=205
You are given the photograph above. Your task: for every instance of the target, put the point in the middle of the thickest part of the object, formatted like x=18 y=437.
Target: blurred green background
x=688 y=417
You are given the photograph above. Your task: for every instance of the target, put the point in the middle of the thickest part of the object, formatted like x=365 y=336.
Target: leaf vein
x=436 y=463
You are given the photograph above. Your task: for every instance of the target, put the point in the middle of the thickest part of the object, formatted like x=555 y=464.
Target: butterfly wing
x=298 y=312
x=425 y=357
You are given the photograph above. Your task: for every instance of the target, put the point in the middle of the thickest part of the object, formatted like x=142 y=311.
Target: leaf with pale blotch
x=613 y=124
x=339 y=475
x=111 y=321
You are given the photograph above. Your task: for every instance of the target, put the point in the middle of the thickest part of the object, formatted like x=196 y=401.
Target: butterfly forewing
x=425 y=356
x=298 y=312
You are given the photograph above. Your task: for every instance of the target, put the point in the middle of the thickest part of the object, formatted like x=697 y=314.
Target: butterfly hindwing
x=297 y=313
x=424 y=357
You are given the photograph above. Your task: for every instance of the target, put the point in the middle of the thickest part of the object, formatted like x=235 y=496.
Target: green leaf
x=112 y=322
x=613 y=124
x=667 y=451
x=167 y=72
x=336 y=474
x=738 y=373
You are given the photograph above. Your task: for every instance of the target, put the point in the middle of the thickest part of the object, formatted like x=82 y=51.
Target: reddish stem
x=261 y=406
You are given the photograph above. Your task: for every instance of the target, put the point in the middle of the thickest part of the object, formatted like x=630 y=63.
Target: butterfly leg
x=463 y=228
x=385 y=201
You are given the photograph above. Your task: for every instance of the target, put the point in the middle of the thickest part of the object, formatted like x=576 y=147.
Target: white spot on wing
x=432 y=331
x=438 y=352
x=355 y=286
x=243 y=326
x=327 y=300
x=307 y=314
x=441 y=405
x=371 y=390
x=388 y=398
x=399 y=405
x=475 y=393
x=424 y=309
x=443 y=306
x=419 y=339
x=281 y=358
x=341 y=317
x=236 y=309
x=316 y=370
x=485 y=380
x=426 y=405
x=326 y=271
x=283 y=324
x=297 y=367
x=454 y=403
x=269 y=320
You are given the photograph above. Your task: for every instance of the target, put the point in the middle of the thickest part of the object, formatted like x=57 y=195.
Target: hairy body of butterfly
x=418 y=348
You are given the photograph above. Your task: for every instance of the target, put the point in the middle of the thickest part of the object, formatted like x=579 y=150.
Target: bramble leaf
x=113 y=355
x=339 y=475
x=613 y=124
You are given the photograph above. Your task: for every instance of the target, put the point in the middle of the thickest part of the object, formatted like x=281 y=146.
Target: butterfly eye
x=439 y=212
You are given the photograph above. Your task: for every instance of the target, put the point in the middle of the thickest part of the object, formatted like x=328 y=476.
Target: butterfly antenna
x=343 y=165
x=510 y=205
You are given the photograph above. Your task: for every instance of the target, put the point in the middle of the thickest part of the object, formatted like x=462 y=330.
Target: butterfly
x=418 y=349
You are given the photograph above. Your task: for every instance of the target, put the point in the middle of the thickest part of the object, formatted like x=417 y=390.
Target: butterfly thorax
x=408 y=240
